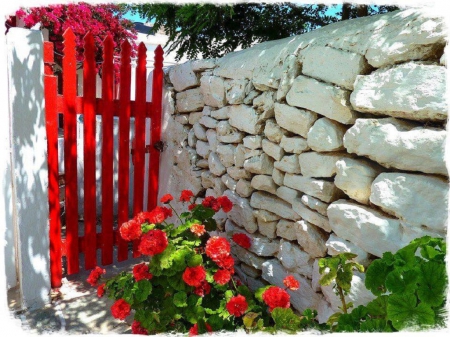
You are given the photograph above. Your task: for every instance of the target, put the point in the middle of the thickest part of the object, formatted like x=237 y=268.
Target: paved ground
x=75 y=308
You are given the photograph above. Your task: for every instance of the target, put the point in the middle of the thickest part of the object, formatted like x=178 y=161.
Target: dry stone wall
x=328 y=142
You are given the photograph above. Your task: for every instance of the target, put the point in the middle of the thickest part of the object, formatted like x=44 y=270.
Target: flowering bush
x=188 y=285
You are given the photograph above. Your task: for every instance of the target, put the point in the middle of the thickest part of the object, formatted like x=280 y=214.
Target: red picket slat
x=107 y=152
x=124 y=143
x=51 y=116
x=70 y=151
x=89 y=91
x=155 y=128
x=139 y=131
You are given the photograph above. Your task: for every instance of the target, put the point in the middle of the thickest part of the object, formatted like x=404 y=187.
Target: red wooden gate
x=69 y=104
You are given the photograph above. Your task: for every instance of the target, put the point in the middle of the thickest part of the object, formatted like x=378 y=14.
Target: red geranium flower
x=101 y=290
x=198 y=229
x=237 y=305
x=225 y=203
x=137 y=329
x=242 y=240
x=222 y=276
x=194 y=276
x=291 y=283
x=153 y=242
x=165 y=199
x=120 y=309
x=276 y=297
x=211 y=202
x=95 y=275
x=157 y=215
x=142 y=217
x=217 y=248
x=186 y=195
x=130 y=230
x=194 y=330
x=167 y=212
x=203 y=289
x=140 y=272
x=191 y=206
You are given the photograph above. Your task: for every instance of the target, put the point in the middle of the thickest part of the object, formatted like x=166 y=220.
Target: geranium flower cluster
x=95 y=275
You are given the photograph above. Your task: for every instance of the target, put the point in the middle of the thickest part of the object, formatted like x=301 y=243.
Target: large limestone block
x=213 y=90
x=199 y=131
x=320 y=189
x=229 y=182
x=311 y=239
x=241 y=213
x=250 y=271
x=203 y=149
x=295 y=120
x=315 y=204
x=311 y=216
x=208 y=179
x=288 y=164
x=333 y=65
x=418 y=200
x=326 y=135
x=273 y=131
x=337 y=245
x=220 y=114
x=399 y=144
x=314 y=164
x=268 y=228
x=287 y=194
x=194 y=117
x=192 y=140
x=226 y=154
x=294 y=259
x=183 y=77
x=203 y=64
x=278 y=176
x=291 y=69
x=264 y=215
x=244 y=188
x=208 y=122
x=266 y=201
x=238 y=173
x=286 y=230
x=264 y=104
x=295 y=145
x=253 y=142
x=237 y=90
x=249 y=258
x=303 y=298
x=355 y=177
x=211 y=135
x=260 y=245
x=272 y=149
x=264 y=183
x=262 y=164
x=190 y=100
x=367 y=228
x=413 y=91
x=215 y=165
x=245 y=118
x=325 y=99
x=239 y=156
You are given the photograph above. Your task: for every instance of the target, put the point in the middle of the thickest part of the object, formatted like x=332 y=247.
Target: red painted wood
x=139 y=128
x=99 y=106
x=90 y=212
x=124 y=143
x=155 y=128
x=107 y=151
x=51 y=124
x=70 y=151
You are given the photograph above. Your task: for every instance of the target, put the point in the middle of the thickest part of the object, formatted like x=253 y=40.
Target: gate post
x=29 y=171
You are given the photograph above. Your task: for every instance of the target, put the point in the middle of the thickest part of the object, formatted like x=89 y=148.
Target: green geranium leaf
x=180 y=299
x=432 y=283
x=374 y=325
x=184 y=215
x=215 y=322
x=177 y=283
x=285 y=319
x=249 y=319
x=328 y=268
x=143 y=290
x=260 y=291
x=194 y=260
x=403 y=311
x=378 y=306
x=376 y=276
x=210 y=224
x=359 y=312
x=402 y=282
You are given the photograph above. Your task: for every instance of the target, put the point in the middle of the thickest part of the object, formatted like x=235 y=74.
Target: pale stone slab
x=262 y=164
x=294 y=259
x=272 y=149
x=208 y=122
x=183 y=77
x=355 y=177
x=264 y=104
x=229 y=182
x=311 y=216
x=199 y=131
x=215 y=166
x=325 y=99
x=250 y=271
x=273 y=131
x=211 y=135
x=326 y=135
x=207 y=110
x=194 y=117
x=295 y=145
x=278 y=176
x=418 y=200
x=286 y=229
x=333 y=65
x=251 y=153
x=189 y=100
x=399 y=144
x=245 y=118
x=264 y=215
x=182 y=119
x=319 y=165
x=203 y=64
x=238 y=173
x=288 y=164
x=226 y=154
x=337 y=245
x=291 y=69
x=253 y=142
x=237 y=90
x=241 y=213
x=288 y=194
x=264 y=183
x=239 y=156
x=244 y=188
x=249 y=258
x=220 y=114
x=213 y=90
x=192 y=140
x=321 y=189
x=208 y=179
x=315 y=204
x=262 y=200
x=413 y=91
x=298 y=121
x=251 y=96
x=203 y=149
x=311 y=239
x=202 y=163
x=268 y=228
